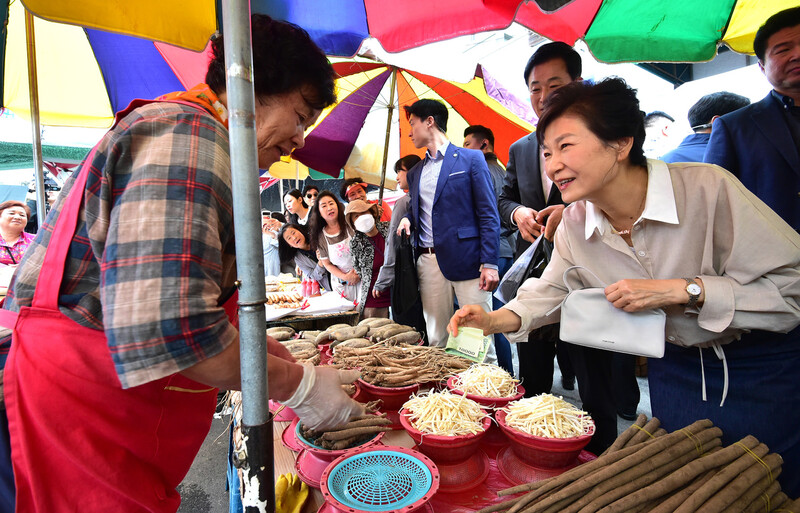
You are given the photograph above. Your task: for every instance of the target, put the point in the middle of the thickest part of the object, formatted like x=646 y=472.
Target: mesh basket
x=380 y=480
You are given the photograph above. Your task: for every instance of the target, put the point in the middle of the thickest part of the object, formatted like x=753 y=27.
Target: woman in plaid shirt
x=110 y=393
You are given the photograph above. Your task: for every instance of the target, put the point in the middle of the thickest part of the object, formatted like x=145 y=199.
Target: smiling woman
x=141 y=238
x=686 y=238
x=15 y=240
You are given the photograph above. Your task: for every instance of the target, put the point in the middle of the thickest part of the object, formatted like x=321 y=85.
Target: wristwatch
x=694 y=290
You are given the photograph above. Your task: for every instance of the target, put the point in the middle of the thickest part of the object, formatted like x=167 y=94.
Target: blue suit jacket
x=466 y=226
x=754 y=143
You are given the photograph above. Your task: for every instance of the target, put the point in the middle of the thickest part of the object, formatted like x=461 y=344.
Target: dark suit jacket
x=466 y=226
x=523 y=184
x=754 y=143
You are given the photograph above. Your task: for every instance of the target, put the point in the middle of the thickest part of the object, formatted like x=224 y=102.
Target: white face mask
x=364 y=223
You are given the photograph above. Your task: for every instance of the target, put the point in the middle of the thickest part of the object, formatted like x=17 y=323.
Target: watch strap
x=692 y=297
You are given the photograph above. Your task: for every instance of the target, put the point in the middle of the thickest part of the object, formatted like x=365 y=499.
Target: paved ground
x=203 y=490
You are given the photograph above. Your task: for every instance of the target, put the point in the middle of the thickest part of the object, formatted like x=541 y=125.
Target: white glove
x=319 y=400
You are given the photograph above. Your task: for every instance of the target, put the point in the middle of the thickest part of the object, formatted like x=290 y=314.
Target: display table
x=315 y=321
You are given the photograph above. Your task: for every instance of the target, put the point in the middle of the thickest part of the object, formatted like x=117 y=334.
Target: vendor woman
x=111 y=380
x=687 y=238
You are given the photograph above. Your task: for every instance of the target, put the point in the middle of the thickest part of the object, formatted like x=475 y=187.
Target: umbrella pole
x=258 y=490
x=33 y=89
x=388 y=129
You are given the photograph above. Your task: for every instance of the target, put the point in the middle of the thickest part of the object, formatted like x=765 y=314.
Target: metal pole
x=33 y=89
x=388 y=131
x=258 y=490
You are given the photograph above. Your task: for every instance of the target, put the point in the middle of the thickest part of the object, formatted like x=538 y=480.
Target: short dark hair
x=426 y=108
x=609 y=108
x=347 y=183
x=295 y=193
x=715 y=104
x=408 y=162
x=552 y=51
x=651 y=118
x=14 y=203
x=309 y=187
x=481 y=132
x=286 y=252
x=316 y=223
x=779 y=21
x=285 y=59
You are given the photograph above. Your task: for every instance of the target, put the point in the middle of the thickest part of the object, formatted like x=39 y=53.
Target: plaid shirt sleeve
x=153 y=252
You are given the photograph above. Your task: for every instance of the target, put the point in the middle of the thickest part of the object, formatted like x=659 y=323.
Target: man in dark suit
x=759 y=143
x=454 y=219
x=529 y=202
x=701 y=116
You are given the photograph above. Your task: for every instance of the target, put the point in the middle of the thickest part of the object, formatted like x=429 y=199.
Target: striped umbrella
x=615 y=30
x=367 y=129
x=86 y=75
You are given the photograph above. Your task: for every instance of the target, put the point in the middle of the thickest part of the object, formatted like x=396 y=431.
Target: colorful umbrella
x=367 y=129
x=615 y=30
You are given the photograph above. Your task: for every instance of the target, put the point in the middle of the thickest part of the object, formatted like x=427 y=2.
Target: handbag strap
x=575 y=267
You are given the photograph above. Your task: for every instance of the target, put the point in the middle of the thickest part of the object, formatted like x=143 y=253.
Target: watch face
x=694 y=289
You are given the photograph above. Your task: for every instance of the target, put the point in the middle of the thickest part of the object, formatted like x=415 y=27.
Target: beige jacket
x=698 y=221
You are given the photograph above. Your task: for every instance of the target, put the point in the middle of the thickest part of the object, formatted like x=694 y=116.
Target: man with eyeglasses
x=310 y=193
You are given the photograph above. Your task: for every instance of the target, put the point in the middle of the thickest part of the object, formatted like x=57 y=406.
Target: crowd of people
x=134 y=273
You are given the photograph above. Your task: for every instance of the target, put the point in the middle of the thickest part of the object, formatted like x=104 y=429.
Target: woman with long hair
x=294 y=243
x=296 y=207
x=330 y=238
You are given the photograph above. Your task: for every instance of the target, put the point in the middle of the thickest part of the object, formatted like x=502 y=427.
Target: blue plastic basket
x=381 y=480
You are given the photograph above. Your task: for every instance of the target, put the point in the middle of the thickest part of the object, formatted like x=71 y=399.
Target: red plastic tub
x=543 y=452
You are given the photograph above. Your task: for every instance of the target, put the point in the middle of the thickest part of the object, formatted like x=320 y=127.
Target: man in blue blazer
x=453 y=215
x=759 y=143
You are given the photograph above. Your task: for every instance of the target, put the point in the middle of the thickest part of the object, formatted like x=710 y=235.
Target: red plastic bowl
x=543 y=452
x=445 y=449
x=489 y=402
x=393 y=397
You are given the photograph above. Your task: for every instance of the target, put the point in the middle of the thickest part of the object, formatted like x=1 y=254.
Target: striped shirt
x=153 y=254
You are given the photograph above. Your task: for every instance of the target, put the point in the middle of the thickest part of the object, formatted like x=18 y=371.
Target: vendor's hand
x=489 y=279
x=551 y=218
x=275 y=348
x=404 y=226
x=638 y=295
x=319 y=400
x=290 y=494
x=471 y=316
x=525 y=218
x=376 y=293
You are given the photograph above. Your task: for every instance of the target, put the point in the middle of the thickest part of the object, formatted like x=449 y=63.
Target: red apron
x=79 y=441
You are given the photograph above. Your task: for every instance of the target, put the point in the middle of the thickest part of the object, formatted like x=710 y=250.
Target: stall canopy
x=86 y=74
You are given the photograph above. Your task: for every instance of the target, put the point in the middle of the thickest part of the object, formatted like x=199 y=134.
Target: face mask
x=364 y=223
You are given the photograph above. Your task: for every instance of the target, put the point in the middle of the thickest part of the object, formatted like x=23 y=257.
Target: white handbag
x=589 y=319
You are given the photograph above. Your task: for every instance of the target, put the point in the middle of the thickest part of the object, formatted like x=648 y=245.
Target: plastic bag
x=405 y=290
x=530 y=264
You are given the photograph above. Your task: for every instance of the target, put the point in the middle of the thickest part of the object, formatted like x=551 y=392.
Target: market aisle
x=203 y=490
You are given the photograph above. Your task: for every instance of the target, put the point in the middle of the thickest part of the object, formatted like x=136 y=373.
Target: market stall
x=460 y=438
